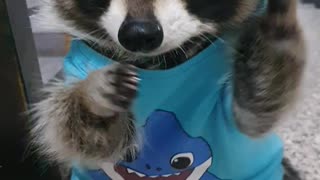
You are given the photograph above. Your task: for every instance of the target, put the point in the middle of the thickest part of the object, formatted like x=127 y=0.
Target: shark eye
x=182 y=161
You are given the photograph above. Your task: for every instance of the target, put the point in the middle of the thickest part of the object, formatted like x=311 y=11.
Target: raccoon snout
x=139 y=35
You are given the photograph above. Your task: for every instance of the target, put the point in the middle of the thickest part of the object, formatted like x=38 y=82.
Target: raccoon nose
x=140 y=35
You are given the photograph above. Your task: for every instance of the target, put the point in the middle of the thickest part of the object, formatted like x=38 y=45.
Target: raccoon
x=90 y=120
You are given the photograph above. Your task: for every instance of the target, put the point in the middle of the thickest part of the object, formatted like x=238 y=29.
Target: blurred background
x=32 y=56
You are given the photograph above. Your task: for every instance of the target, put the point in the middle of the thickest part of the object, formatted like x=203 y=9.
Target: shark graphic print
x=168 y=153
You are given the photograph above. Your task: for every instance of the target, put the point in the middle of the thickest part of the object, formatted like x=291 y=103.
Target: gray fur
x=90 y=121
x=268 y=71
x=70 y=125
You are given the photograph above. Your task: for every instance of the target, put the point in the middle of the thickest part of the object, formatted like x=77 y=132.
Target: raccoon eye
x=217 y=10
x=93 y=8
x=182 y=161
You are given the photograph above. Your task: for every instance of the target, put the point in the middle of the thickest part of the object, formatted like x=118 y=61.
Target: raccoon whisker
x=99 y=39
x=113 y=54
x=86 y=36
x=153 y=61
x=191 y=41
x=116 y=52
x=159 y=61
x=165 y=62
x=206 y=38
x=95 y=31
x=119 y=54
x=184 y=52
x=174 y=52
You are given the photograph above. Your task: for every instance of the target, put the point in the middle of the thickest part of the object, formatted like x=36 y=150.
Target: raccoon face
x=146 y=27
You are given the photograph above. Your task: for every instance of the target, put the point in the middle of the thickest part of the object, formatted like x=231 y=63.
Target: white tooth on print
x=140 y=175
x=130 y=171
x=154 y=176
x=137 y=173
x=197 y=173
x=166 y=175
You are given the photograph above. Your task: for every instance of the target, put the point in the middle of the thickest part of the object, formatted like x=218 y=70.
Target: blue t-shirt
x=185 y=116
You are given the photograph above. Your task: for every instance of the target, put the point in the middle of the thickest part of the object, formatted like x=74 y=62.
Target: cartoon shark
x=168 y=153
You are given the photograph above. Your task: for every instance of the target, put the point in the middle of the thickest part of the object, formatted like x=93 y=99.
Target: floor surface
x=301 y=131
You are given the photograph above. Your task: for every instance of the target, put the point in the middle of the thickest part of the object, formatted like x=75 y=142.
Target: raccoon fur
x=90 y=121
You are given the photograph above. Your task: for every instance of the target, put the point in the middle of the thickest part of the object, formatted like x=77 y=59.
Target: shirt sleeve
x=227 y=102
x=73 y=71
x=78 y=174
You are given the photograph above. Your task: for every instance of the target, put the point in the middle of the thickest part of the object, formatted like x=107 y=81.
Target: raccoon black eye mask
x=206 y=118
x=183 y=25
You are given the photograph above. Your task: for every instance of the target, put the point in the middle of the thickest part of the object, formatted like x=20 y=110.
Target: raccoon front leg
x=268 y=68
x=89 y=121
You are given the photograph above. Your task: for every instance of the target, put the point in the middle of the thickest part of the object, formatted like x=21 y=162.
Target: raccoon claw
x=124 y=81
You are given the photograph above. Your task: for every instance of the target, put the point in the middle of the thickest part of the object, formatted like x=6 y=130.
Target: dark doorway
x=19 y=79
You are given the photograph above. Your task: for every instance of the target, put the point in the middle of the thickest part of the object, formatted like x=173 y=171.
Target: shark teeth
x=137 y=173
x=131 y=171
x=166 y=175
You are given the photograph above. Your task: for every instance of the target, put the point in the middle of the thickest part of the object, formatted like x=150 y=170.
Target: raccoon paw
x=113 y=88
x=123 y=80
